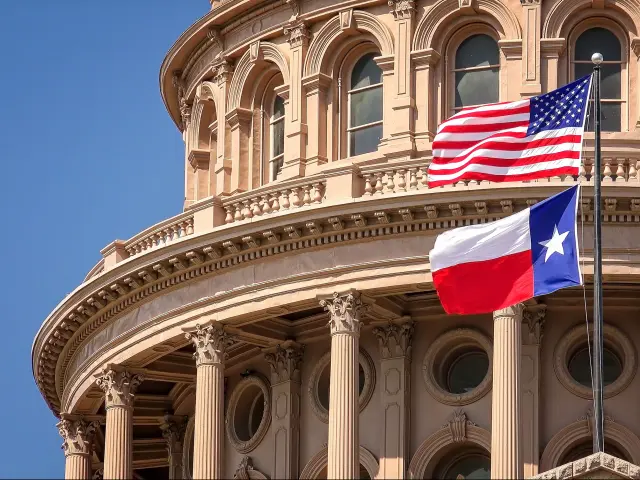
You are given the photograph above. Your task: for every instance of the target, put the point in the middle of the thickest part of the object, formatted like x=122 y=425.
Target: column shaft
x=344 y=461
x=208 y=436
x=77 y=467
x=118 y=462
x=506 y=460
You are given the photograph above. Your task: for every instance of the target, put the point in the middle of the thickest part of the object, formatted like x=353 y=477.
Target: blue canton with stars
x=561 y=108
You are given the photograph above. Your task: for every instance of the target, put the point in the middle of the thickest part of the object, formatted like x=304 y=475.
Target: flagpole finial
x=597 y=58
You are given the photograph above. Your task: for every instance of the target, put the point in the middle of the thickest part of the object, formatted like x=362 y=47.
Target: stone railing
x=613 y=169
x=274 y=198
x=160 y=234
x=395 y=178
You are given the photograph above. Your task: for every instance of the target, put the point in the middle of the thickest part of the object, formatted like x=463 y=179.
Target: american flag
x=513 y=141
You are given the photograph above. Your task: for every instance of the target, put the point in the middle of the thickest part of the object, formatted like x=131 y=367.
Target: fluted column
x=77 y=445
x=211 y=344
x=506 y=461
x=119 y=386
x=394 y=339
x=173 y=430
x=285 y=361
x=345 y=312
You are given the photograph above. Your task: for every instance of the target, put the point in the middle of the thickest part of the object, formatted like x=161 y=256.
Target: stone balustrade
x=161 y=234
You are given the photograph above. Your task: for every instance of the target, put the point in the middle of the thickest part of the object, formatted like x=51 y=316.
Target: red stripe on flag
x=499 y=145
x=482 y=127
x=480 y=176
x=485 y=286
x=491 y=113
x=508 y=162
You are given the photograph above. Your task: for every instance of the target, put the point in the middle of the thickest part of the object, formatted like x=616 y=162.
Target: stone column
x=395 y=365
x=77 y=435
x=285 y=361
x=345 y=322
x=119 y=386
x=211 y=344
x=506 y=460
x=530 y=381
x=173 y=429
x=296 y=118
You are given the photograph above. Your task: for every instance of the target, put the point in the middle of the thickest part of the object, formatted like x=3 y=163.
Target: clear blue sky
x=88 y=155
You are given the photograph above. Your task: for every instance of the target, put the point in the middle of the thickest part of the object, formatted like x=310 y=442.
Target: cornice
x=318 y=226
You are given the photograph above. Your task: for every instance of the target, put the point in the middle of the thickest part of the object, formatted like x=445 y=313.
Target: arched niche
x=318 y=463
x=578 y=431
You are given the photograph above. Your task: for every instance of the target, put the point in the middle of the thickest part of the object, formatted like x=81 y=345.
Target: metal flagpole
x=598 y=344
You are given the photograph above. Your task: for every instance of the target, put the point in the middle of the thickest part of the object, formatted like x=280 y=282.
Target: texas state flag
x=483 y=268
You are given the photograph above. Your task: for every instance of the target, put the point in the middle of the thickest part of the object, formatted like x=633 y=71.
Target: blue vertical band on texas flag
x=554 y=242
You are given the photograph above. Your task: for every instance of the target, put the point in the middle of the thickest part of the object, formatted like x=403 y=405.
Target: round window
x=457 y=367
x=470 y=464
x=580 y=366
x=466 y=371
x=249 y=413
x=319 y=383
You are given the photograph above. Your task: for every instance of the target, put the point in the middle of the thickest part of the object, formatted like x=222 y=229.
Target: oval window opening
x=580 y=366
x=249 y=413
x=465 y=371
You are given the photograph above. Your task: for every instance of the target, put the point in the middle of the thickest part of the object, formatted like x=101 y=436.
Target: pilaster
x=394 y=339
x=346 y=312
x=531 y=14
x=77 y=435
x=316 y=88
x=173 y=430
x=296 y=115
x=211 y=344
x=506 y=458
x=425 y=62
x=222 y=168
x=533 y=321
x=551 y=49
x=400 y=140
x=119 y=386
x=239 y=121
x=285 y=361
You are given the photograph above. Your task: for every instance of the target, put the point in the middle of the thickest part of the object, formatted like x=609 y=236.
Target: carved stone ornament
x=530 y=2
x=211 y=344
x=295 y=7
x=77 y=436
x=246 y=470
x=395 y=339
x=346 y=311
x=98 y=474
x=285 y=362
x=185 y=109
x=119 y=386
x=534 y=319
x=298 y=34
x=458 y=426
x=222 y=72
x=402 y=9
x=173 y=431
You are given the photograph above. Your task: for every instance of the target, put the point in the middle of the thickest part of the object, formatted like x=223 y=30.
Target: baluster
x=167 y=236
x=424 y=178
x=379 y=184
x=275 y=204
x=148 y=244
x=413 y=179
x=238 y=214
x=606 y=174
x=390 y=184
x=307 y=195
x=285 y=203
x=317 y=195
x=582 y=173
x=229 y=217
x=295 y=197
x=255 y=207
x=246 y=210
x=402 y=181
x=175 y=230
x=368 y=187
x=266 y=206
x=633 y=170
x=620 y=176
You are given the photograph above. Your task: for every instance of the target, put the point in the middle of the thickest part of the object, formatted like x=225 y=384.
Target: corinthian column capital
x=77 y=436
x=511 y=311
x=346 y=311
x=119 y=386
x=395 y=339
x=285 y=361
x=211 y=344
x=173 y=430
x=402 y=9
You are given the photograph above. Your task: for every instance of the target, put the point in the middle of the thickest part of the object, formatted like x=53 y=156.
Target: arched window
x=476 y=72
x=276 y=123
x=365 y=106
x=473 y=463
x=604 y=41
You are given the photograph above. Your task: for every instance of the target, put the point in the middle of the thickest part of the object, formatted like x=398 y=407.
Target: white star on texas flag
x=554 y=244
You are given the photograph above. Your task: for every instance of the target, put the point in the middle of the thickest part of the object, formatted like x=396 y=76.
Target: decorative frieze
x=77 y=436
x=211 y=344
x=345 y=312
x=119 y=386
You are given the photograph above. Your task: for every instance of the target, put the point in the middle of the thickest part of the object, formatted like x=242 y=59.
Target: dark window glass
x=278 y=107
x=610 y=75
x=580 y=370
x=467 y=371
x=366 y=107
x=473 y=466
x=256 y=414
x=476 y=87
x=477 y=51
x=365 y=140
x=366 y=72
x=598 y=40
x=278 y=139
